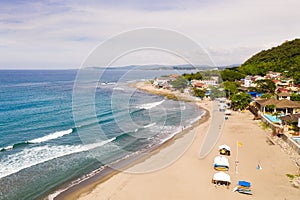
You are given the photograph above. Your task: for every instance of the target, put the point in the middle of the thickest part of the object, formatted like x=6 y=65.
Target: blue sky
x=56 y=34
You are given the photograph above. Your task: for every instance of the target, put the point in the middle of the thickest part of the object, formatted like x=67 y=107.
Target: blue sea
x=43 y=147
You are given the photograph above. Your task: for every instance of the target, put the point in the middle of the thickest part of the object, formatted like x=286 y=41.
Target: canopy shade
x=222 y=176
x=224 y=146
x=221 y=161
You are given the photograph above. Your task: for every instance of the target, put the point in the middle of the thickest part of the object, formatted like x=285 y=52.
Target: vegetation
x=292 y=176
x=265 y=86
x=231 y=88
x=231 y=74
x=192 y=76
x=295 y=97
x=284 y=58
x=266 y=96
x=180 y=83
x=240 y=101
x=270 y=108
x=216 y=92
x=199 y=93
x=263 y=126
x=209 y=73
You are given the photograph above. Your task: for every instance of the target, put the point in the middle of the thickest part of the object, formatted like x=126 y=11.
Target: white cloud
x=60 y=35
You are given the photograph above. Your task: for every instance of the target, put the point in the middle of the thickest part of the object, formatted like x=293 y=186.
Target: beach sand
x=189 y=177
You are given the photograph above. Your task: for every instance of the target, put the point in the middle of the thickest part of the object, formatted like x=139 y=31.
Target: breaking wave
x=32 y=156
x=148 y=106
x=46 y=138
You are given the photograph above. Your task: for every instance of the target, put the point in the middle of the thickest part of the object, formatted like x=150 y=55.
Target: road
x=214 y=131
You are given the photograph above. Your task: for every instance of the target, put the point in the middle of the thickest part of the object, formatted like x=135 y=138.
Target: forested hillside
x=284 y=58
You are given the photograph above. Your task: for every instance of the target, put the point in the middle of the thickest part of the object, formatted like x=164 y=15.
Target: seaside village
x=270 y=98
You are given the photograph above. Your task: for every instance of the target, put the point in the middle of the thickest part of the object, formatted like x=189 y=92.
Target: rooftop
x=284 y=103
x=291 y=118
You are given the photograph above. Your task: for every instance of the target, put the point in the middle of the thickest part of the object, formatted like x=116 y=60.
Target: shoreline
x=104 y=173
x=190 y=176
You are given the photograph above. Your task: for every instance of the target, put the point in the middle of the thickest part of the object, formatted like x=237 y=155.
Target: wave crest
x=32 y=156
x=52 y=136
x=148 y=106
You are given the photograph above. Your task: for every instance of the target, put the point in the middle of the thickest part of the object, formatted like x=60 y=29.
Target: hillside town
x=273 y=98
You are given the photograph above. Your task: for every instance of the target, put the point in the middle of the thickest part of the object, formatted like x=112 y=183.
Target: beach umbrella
x=224 y=146
x=222 y=176
x=221 y=161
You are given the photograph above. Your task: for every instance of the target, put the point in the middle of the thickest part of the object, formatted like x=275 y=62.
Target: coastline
x=103 y=174
x=190 y=177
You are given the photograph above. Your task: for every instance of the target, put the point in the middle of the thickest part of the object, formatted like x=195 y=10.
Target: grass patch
x=292 y=176
x=263 y=126
x=150 y=82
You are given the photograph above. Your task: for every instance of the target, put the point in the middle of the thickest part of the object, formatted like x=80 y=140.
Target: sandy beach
x=189 y=177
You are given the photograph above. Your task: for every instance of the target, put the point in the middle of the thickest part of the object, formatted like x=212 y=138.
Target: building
x=283 y=95
x=247 y=82
x=198 y=84
x=284 y=106
x=203 y=84
x=163 y=82
x=210 y=82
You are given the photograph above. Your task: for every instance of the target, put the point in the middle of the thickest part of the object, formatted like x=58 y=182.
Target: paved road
x=214 y=130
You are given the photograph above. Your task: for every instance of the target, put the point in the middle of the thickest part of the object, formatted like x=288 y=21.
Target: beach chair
x=244 y=187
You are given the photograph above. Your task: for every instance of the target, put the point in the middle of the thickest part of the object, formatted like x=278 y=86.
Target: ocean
x=43 y=147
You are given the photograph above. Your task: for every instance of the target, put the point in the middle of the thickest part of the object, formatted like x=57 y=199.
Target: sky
x=58 y=34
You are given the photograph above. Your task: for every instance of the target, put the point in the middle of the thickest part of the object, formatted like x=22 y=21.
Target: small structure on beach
x=221 y=163
x=243 y=187
x=224 y=150
x=221 y=178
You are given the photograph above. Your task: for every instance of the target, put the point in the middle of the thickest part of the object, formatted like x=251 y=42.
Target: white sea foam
x=8 y=147
x=118 y=88
x=32 y=156
x=148 y=106
x=149 y=125
x=51 y=136
x=108 y=83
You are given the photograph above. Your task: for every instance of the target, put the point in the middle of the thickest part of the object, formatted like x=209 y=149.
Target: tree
x=216 y=92
x=199 y=93
x=180 y=83
x=295 y=97
x=270 y=108
x=266 y=96
x=192 y=76
x=284 y=58
x=265 y=86
x=240 y=101
x=231 y=75
x=230 y=88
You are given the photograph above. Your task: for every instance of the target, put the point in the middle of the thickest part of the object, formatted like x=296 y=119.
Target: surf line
x=51 y=136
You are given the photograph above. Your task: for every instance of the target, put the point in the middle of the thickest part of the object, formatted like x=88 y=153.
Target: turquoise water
x=40 y=146
x=273 y=118
x=297 y=139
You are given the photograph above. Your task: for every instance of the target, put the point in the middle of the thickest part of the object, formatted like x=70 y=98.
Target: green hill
x=283 y=58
